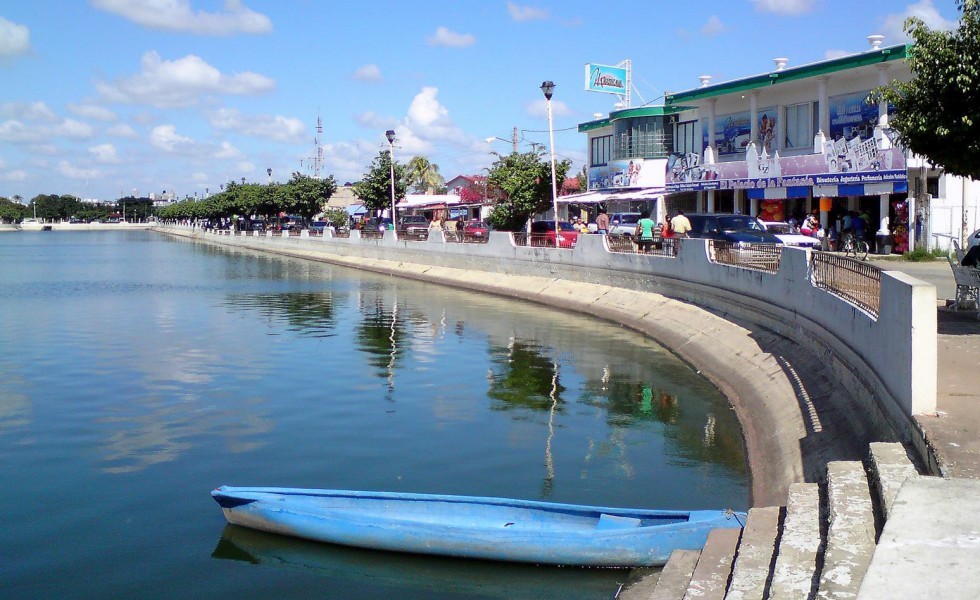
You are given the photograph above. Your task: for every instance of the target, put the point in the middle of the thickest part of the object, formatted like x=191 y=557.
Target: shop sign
x=733 y=132
x=606 y=79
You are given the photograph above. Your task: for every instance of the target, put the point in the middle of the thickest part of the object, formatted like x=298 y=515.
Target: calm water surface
x=138 y=372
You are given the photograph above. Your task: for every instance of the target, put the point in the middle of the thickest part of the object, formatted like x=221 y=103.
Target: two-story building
x=778 y=145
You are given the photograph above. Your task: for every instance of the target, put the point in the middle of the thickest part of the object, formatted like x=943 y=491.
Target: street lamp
x=548 y=88
x=269 y=171
x=390 y=134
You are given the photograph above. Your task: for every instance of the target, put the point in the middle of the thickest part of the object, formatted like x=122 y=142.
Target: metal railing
x=542 y=240
x=341 y=233
x=746 y=255
x=454 y=236
x=853 y=280
x=372 y=234
x=627 y=244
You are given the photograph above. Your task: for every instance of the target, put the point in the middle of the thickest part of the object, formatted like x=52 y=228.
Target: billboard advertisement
x=606 y=79
x=635 y=173
x=733 y=132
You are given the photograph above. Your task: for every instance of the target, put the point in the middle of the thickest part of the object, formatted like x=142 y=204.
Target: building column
x=824 y=108
x=711 y=201
x=754 y=207
x=754 y=117
x=883 y=222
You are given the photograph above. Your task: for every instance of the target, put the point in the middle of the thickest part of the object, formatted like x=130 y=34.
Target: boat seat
x=614 y=522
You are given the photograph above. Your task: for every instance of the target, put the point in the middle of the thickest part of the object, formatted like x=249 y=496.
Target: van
x=623 y=223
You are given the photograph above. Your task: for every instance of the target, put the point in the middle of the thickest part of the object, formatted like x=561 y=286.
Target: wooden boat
x=474 y=527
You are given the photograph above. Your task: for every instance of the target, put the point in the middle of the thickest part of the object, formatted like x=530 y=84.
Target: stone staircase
x=813 y=548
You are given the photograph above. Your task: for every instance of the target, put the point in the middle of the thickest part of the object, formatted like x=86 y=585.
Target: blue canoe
x=474 y=527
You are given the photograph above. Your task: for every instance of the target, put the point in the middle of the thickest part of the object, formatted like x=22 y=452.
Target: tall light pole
x=269 y=171
x=548 y=87
x=390 y=134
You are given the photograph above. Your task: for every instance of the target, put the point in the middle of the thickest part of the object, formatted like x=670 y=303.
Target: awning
x=597 y=196
x=427 y=201
x=356 y=209
x=831 y=191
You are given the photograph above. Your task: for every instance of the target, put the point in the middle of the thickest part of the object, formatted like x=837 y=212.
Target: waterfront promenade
x=932 y=543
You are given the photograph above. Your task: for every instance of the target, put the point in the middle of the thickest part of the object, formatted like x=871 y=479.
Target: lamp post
x=390 y=134
x=269 y=172
x=548 y=88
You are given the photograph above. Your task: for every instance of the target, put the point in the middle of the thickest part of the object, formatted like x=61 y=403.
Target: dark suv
x=414 y=226
x=730 y=227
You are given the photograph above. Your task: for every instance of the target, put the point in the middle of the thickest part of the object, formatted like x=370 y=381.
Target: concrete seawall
x=811 y=377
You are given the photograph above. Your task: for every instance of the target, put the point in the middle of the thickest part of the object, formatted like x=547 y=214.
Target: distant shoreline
x=84 y=226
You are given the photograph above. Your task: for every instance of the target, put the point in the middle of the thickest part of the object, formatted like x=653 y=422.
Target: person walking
x=680 y=225
x=644 y=231
x=602 y=222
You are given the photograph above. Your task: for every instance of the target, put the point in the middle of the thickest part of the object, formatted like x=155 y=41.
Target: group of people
x=677 y=226
x=851 y=223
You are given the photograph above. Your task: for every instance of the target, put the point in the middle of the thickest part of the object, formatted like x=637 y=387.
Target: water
x=138 y=372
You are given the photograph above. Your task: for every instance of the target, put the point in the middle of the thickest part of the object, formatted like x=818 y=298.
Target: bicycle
x=854 y=248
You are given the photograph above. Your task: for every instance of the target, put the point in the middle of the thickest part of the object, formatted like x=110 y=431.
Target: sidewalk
x=955 y=430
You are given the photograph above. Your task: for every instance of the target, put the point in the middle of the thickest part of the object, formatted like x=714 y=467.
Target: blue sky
x=103 y=97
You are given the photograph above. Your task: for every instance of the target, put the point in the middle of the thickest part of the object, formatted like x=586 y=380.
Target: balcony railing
x=652 y=145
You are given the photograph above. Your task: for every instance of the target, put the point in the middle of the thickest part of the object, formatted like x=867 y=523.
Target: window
x=799 y=123
x=641 y=137
x=686 y=138
x=601 y=150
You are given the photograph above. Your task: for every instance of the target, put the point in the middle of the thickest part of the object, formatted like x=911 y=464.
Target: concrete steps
x=807 y=550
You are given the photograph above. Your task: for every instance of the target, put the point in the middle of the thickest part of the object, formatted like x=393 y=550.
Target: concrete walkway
x=954 y=432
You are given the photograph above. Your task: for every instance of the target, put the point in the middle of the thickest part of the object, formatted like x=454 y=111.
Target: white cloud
x=893 y=25
x=833 y=53
x=72 y=172
x=18 y=132
x=104 y=153
x=526 y=13
x=74 y=129
x=14 y=39
x=165 y=137
x=32 y=111
x=273 y=127
x=92 y=111
x=177 y=15
x=123 y=131
x=14 y=175
x=179 y=83
x=368 y=73
x=784 y=7
x=539 y=108
x=713 y=27
x=228 y=151
x=445 y=37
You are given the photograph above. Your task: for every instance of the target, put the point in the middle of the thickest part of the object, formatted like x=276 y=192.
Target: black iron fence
x=626 y=244
x=853 y=280
x=746 y=255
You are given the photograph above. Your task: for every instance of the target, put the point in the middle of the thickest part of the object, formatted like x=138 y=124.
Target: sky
x=108 y=98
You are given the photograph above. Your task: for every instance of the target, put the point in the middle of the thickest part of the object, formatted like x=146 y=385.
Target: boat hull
x=474 y=527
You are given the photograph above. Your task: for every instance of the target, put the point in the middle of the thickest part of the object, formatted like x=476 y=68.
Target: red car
x=543 y=234
x=476 y=231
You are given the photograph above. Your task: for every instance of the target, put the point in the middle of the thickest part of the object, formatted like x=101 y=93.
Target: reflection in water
x=380 y=334
x=521 y=378
x=307 y=313
x=15 y=407
x=391 y=574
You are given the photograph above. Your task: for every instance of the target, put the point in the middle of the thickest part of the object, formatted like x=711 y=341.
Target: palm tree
x=423 y=175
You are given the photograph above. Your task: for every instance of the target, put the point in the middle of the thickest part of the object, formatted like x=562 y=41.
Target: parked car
x=730 y=227
x=257 y=225
x=789 y=237
x=543 y=234
x=319 y=226
x=416 y=226
x=475 y=230
x=623 y=223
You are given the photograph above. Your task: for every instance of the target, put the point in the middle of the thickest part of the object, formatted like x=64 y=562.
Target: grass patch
x=921 y=254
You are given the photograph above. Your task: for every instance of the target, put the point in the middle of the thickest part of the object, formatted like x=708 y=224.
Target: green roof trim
x=826 y=67
x=597 y=124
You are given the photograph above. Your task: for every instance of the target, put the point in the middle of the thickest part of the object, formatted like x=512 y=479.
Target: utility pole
x=514 y=139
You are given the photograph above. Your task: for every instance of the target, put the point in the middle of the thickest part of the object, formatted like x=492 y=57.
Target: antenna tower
x=318 y=161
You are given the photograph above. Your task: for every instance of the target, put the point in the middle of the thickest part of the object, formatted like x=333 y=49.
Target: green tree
x=305 y=195
x=11 y=211
x=374 y=189
x=937 y=112
x=522 y=185
x=424 y=176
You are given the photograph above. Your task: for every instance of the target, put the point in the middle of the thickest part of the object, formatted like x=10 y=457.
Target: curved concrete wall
x=888 y=363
